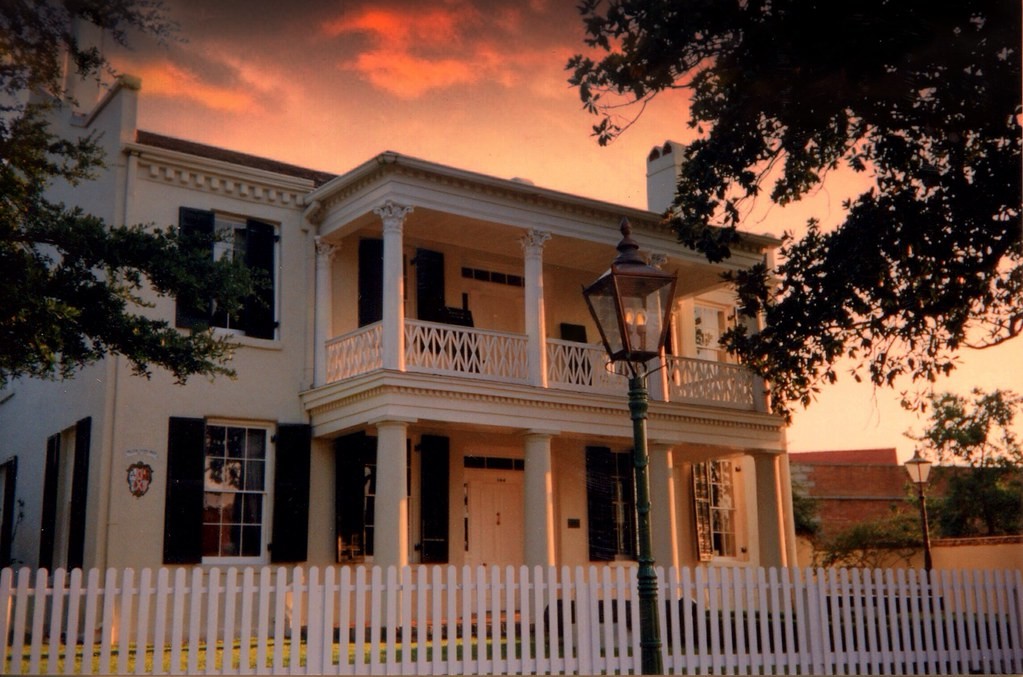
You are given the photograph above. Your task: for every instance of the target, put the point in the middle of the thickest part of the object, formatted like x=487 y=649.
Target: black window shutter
x=433 y=478
x=626 y=469
x=182 y=520
x=258 y=313
x=49 y=525
x=79 y=493
x=599 y=504
x=291 y=493
x=573 y=332
x=351 y=454
x=196 y=228
x=7 y=526
x=371 y=281
x=430 y=303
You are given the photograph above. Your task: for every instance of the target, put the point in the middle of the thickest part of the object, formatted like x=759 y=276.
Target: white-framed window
x=715 y=509
x=236 y=480
x=711 y=322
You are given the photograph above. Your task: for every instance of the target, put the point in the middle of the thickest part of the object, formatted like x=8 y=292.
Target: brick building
x=850 y=486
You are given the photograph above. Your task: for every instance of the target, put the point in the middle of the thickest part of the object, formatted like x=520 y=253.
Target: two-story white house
x=422 y=383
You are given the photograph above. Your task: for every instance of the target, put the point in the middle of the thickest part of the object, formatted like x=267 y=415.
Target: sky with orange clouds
x=475 y=84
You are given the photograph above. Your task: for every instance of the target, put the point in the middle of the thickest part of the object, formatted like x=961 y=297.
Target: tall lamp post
x=919 y=470
x=630 y=304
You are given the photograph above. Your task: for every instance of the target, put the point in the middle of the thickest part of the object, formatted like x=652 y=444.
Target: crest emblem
x=140 y=475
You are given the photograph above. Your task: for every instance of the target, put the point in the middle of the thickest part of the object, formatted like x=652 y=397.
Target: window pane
x=230 y=540
x=213 y=477
x=251 y=544
x=235 y=442
x=211 y=540
x=253 y=513
x=215 y=435
x=233 y=475
x=232 y=511
x=256 y=444
x=254 y=471
x=211 y=507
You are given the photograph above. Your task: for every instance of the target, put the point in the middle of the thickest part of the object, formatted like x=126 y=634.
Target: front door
x=494 y=517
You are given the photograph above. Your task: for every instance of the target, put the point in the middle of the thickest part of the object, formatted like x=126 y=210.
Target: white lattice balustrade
x=705 y=381
x=465 y=351
x=581 y=366
x=355 y=353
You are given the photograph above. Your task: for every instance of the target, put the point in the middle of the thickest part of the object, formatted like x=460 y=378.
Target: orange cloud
x=412 y=52
x=407 y=76
x=438 y=27
x=167 y=79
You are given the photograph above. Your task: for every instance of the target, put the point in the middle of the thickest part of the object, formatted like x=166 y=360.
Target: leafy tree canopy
x=977 y=431
x=922 y=97
x=72 y=286
x=985 y=498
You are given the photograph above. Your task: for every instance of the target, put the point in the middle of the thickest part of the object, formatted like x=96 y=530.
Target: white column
x=663 y=515
x=769 y=514
x=536 y=331
x=393 y=340
x=390 y=536
x=325 y=253
x=789 y=521
x=539 y=501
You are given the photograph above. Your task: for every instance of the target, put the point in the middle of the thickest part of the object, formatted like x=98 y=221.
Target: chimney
x=85 y=91
x=662 y=169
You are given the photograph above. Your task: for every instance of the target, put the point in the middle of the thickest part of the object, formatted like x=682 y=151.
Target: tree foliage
x=804 y=513
x=886 y=541
x=985 y=498
x=73 y=287
x=979 y=501
x=922 y=97
x=976 y=431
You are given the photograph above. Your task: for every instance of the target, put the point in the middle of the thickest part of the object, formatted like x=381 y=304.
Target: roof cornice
x=218 y=176
x=377 y=168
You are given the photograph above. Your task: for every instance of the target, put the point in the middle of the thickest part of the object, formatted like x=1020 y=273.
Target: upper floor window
x=711 y=323
x=714 y=498
x=254 y=243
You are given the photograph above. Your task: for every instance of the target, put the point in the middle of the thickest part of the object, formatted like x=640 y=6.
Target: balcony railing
x=464 y=351
x=500 y=356
x=355 y=353
x=581 y=366
x=719 y=383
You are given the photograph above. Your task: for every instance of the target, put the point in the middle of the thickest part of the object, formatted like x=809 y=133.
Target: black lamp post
x=631 y=304
x=919 y=470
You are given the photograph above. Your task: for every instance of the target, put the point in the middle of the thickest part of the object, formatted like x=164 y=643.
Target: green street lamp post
x=919 y=470
x=631 y=304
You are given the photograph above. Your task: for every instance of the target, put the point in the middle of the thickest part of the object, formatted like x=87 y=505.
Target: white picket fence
x=448 y=620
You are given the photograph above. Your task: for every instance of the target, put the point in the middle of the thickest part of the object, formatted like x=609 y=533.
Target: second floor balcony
x=504 y=357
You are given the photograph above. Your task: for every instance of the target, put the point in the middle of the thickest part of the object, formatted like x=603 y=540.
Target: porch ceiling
x=424 y=225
